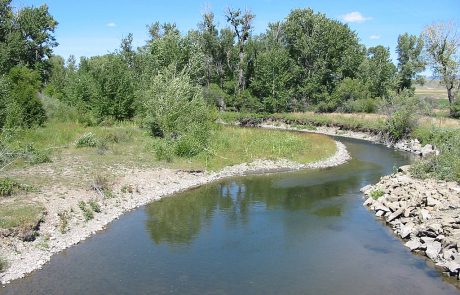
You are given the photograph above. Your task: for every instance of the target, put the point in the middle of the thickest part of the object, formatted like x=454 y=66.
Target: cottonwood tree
x=242 y=26
x=442 y=42
x=410 y=60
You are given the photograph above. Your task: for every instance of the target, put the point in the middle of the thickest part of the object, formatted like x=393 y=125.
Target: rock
x=395 y=214
x=380 y=206
x=433 y=249
x=368 y=201
x=406 y=230
x=404 y=169
x=379 y=213
x=366 y=188
x=428 y=150
x=430 y=201
x=424 y=215
x=453 y=265
x=413 y=244
x=435 y=227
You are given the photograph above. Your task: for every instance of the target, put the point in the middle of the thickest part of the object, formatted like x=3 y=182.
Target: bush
x=9 y=187
x=86 y=140
x=455 y=109
x=401 y=111
x=445 y=166
x=88 y=213
x=176 y=111
x=20 y=106
x=368 y=105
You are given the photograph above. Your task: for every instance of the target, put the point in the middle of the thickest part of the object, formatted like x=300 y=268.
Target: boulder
x=395 y=214
x=428 y=150
x=433 y=249
x=413 y=244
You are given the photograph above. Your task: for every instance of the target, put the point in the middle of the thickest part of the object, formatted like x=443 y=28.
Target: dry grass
x=20 y=216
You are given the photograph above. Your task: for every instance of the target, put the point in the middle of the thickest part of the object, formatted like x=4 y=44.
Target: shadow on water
x=288 y=233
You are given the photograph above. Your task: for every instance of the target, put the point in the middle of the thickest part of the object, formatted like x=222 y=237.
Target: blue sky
x=96 y=27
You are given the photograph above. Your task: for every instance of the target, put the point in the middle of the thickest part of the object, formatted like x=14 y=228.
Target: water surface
x=289 y=233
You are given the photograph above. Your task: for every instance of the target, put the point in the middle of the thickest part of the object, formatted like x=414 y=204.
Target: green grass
x=3 y=264
x=20 y=216
x=232 y=145
x=9 y=187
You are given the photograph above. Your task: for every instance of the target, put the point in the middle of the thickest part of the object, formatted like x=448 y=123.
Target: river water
x=288 y=233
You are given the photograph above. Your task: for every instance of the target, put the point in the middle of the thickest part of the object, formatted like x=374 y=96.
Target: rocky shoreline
x=135 y=188
x=425 y=214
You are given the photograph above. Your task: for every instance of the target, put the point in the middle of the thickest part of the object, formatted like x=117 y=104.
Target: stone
x=395 y=214
x=428 y=150
x=413 y=244
x=430 y=201
x=379 y=213
x=435 y=227
x=380 y=206
x=404 y=169
x=424 y=215
x=368 y=201
x=366 y=188
x=406 y=230
x=453 y=265
x=433 y=249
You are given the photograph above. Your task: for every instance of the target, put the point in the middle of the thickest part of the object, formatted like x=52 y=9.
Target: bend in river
x=289 y=233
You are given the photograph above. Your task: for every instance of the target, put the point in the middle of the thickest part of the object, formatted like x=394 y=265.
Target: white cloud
x=374 y=37
x=355 y=17
x=111 y=25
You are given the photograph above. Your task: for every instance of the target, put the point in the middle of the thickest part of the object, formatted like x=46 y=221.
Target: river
x=288 y=233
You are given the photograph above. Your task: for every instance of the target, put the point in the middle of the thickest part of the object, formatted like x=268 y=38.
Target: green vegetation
x=376 y=194
x=3 y=264
x=64 y=217
x=9 y=187
x=21 y=217
x=230 y=146
x=445 y=166
x=87 y=211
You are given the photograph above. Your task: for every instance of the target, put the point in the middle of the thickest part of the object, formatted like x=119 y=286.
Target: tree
x=26 y=37
x=326 y=51
x=410 y=61
x=242 y=26
x=442 y=42
x=378 y=71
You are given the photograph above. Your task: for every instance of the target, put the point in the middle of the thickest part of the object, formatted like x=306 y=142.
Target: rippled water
x=288 y=233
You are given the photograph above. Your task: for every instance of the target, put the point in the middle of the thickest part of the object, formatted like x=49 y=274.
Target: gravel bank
x=134 y=189
x=425 y=214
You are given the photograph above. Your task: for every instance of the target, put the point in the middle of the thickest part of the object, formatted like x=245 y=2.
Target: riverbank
x=133 y=188
x=423 y=213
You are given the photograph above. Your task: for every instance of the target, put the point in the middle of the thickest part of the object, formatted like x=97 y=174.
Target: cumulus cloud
x=374 y=37
x=355 y=17
x=111 y=25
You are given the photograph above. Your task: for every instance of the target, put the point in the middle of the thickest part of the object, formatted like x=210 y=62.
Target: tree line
x=304 y=62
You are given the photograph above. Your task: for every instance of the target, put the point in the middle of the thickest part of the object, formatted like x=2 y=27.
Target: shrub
x=445 y=166
x=64 y=217
x=176 y=111
x=95 y=206
x=87 y=211
x=368 y=105
x=9 y=187
x=455 y=109
x=401 y=111
x=376 y=194
x=86 y=140
x=3 y=264
x=22 y=107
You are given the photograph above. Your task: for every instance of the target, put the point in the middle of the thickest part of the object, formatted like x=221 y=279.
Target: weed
x=102 y=186
x=88 y=213
x=3 y=264
x=376 y=194
x=64 y=217
x=86 y=140
x=95 y=206
x=127 y=189
x=9 y=187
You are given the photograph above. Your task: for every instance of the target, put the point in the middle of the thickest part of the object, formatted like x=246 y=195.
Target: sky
x=88 y=28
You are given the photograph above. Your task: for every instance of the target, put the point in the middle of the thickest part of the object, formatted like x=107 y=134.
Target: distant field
x=431 y=89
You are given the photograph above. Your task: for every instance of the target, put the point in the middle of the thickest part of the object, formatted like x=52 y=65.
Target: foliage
x=64 y=217
x=326 y=51
x=401 y=111
x=26 y=38
x=375 y=194
x=9 y=187
x=175 y=110
x=446 y=165
x=442 y=43
x=94 y=205
x=20 y=103
x=410 y=60
x=3 y=264
x=86 y=140
x=88 y=213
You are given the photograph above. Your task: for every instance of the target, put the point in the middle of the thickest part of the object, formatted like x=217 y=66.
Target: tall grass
x=231 y=145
